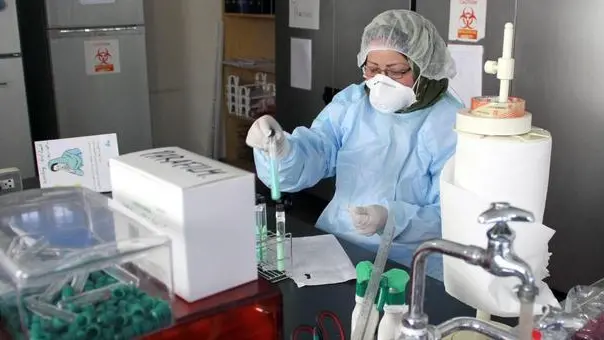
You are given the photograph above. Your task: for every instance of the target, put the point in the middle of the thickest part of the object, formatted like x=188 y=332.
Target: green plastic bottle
x=392 y=301
x=364 y=270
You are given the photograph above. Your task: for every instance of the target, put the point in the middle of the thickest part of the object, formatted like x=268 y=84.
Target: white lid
x=179 y=167
x=467 y=122
x=534 y=135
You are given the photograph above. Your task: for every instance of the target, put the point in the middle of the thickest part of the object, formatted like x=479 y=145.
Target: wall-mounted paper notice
x=304 y=14
x=96 y=2
x=301 y=63
x=468 y=81
x=467 y=20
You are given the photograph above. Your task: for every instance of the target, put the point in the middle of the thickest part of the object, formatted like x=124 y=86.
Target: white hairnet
x=412 y=35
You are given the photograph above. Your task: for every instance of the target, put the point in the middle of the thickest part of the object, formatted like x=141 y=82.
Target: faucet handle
x=503 y=212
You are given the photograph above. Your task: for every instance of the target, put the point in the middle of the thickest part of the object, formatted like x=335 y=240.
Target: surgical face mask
x=387 y=95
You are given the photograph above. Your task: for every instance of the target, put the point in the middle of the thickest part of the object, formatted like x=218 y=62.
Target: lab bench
x=261 y=310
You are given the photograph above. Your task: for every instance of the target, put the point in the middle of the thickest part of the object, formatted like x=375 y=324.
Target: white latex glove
x=259 y=133
x=369 y=220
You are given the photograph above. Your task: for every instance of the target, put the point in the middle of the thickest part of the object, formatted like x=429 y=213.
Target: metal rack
x=272 y=267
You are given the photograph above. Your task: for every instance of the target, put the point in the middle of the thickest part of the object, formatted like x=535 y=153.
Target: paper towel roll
x=511 y=169
x=472 y=285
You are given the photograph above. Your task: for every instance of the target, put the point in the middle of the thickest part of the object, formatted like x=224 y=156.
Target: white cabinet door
x=9 y=28
x=16 y=149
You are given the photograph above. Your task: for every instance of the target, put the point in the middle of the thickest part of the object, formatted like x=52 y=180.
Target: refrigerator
x=99 y=69
x=16 y=149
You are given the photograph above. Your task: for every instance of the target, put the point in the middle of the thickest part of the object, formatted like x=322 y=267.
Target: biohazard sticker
x=467 y=20
x=102 y=56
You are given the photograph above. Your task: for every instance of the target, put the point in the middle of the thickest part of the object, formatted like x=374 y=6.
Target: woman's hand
x=259 y=133
x=369 y=220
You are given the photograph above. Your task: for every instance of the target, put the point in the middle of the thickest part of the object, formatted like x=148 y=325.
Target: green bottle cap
x=92 y=331
x=396 y=286
x=67 y=292
x=364 y=269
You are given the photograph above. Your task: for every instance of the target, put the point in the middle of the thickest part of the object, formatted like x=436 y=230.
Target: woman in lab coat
x=385 y=139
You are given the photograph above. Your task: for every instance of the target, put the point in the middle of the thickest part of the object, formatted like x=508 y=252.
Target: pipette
x=274 y=166
x=280 y=228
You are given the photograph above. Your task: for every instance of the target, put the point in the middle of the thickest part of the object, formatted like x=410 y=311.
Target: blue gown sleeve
x=417 y=223
x=313 y=150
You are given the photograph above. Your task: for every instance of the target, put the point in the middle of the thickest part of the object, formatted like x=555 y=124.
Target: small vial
x=48 y=311
x=261 y=228
x=122 y=275
x=92 y=297
x=274 y=167
x=280 y=229
x=79 y=281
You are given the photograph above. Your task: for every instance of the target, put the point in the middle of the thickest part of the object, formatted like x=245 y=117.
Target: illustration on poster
x=467 y=20
x=102 y=56
x=467 y=24
x=300 y=12
x=104 y=60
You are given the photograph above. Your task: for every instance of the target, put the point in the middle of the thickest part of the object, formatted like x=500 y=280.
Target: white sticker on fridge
x=102 y=56
x=96 y=2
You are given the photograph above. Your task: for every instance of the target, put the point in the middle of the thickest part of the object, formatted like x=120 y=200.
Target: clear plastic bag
x=580 y=318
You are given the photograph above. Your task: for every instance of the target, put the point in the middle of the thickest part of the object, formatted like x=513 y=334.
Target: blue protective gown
x=393 y=160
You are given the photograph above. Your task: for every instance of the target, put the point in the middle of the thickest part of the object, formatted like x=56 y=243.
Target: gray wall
x=557 y=74
x=558 y=56
x=558 y=47
x=334 y=49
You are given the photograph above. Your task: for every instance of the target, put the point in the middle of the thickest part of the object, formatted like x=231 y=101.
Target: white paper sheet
x=320 y=260
x=78 y=161
x=467 y=20
x=472 y=285
x=304 y=14
x=301 y=63
x=468 y=81
x=96 y=2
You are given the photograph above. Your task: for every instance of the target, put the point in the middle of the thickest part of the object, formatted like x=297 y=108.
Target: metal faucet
x=498 y=259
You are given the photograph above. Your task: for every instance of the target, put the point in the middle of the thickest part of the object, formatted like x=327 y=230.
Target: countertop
x=301 y=305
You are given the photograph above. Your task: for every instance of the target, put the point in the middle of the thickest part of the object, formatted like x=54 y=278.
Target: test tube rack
x=249 y=100
x=270 y=261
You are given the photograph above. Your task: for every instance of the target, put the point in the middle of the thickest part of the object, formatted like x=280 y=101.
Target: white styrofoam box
x=205 y=206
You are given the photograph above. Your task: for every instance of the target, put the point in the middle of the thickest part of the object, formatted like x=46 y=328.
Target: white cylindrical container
x=391 y=321
x=512 y=169
x=372 y=323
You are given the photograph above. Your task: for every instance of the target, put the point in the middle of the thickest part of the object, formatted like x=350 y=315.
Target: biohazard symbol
x=103 y=55
x=104 y=63
x=468 y=18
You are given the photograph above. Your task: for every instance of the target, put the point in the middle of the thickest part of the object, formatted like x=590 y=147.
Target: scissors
x=319 y=331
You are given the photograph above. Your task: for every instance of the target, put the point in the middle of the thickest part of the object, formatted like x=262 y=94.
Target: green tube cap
x=396 y=285
x=364 y=269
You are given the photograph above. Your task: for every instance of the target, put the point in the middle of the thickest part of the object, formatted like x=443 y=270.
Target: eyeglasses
x=370 y=71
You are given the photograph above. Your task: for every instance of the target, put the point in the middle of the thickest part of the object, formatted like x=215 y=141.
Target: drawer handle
x=3 y=84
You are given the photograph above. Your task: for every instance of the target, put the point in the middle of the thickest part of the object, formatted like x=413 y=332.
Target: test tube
x=274 y=167
x=122 y=275
x=48 y=311
x=92 y=296
x=53 y=290
x=79 y=281
x=280 y=228
x=261 y=228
